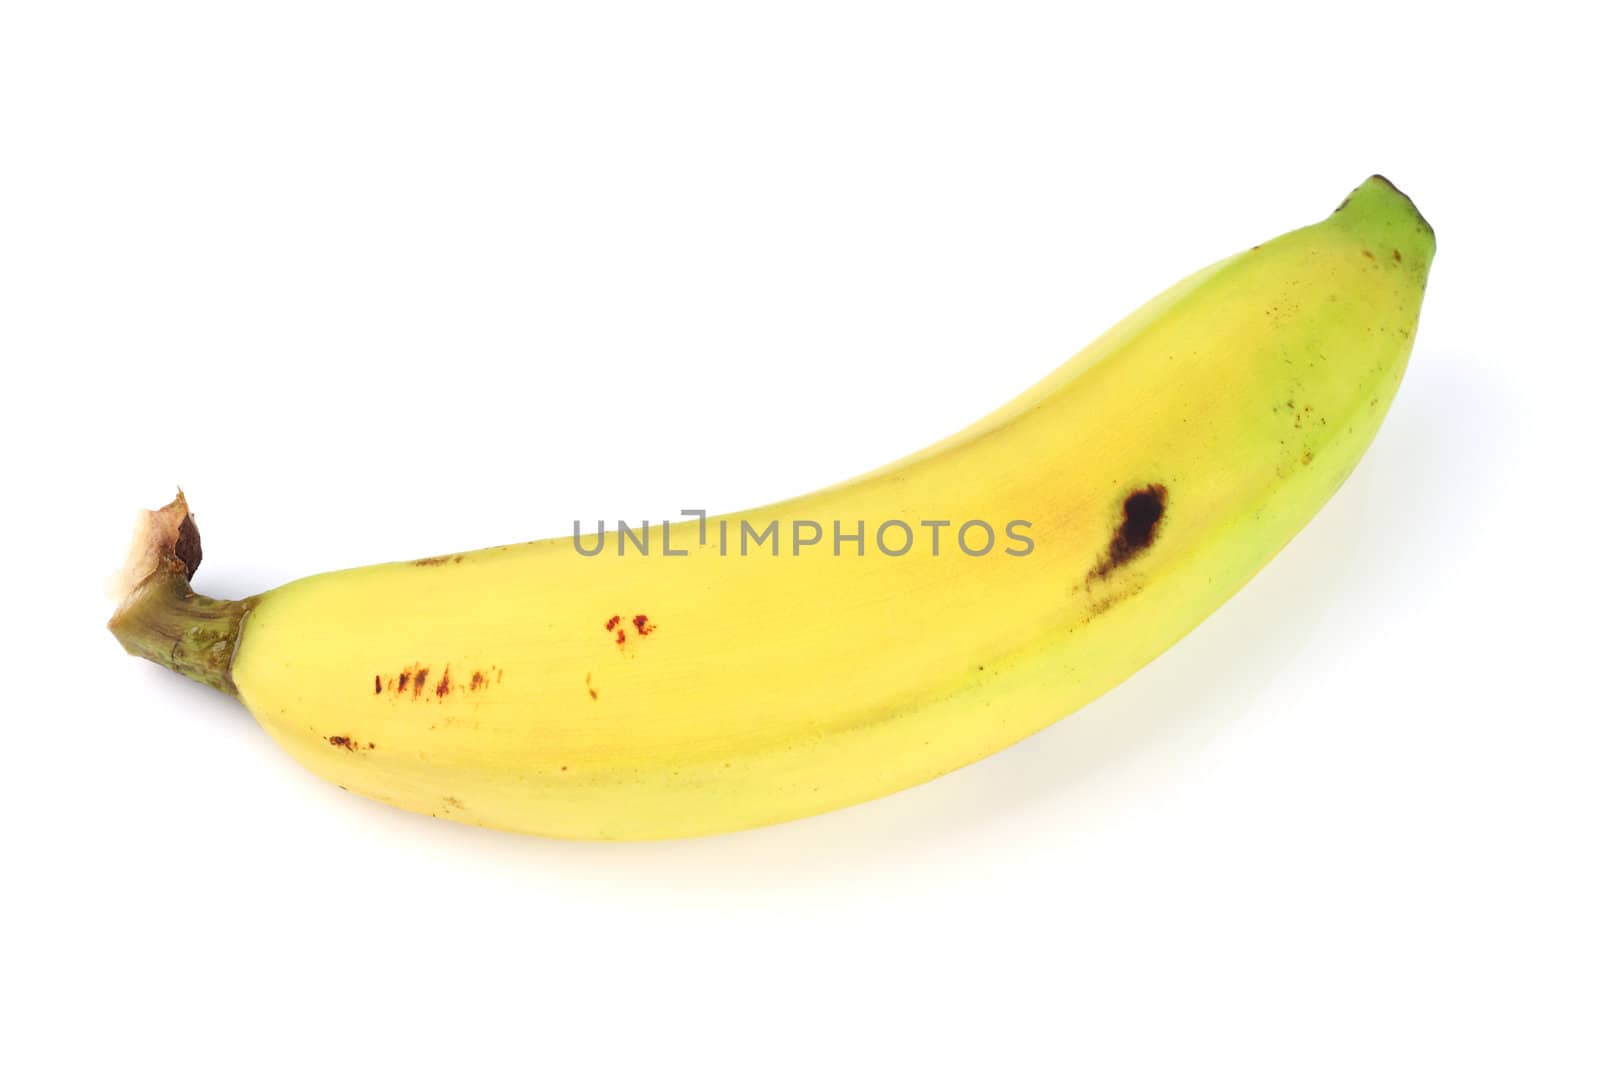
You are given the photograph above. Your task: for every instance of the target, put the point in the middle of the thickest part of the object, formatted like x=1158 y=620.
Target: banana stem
x=165 y=621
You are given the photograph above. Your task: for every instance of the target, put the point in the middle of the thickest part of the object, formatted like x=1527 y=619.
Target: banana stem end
x=160 y=618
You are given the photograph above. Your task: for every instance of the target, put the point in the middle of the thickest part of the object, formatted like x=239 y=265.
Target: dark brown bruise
x=1142 y=512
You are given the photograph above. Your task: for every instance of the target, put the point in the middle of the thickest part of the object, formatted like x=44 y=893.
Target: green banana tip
x=1379 y=209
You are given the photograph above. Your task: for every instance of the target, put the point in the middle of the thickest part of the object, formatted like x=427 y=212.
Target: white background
x=376 y=281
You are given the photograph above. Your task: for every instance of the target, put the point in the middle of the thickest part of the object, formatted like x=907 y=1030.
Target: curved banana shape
x=842 y=645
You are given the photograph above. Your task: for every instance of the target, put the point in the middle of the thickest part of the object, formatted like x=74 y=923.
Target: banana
x=725 y=673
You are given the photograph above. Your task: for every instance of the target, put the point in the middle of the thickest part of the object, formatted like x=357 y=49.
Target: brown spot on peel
x=477 y=681
x=377 y=684
x=342 y=742
x=443 y=688
x=1142 y=512
x=588 y=683
x=400 y=685
x=422 y=680
x=643 y=624
x=1100 y=607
